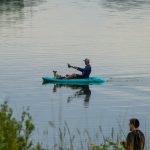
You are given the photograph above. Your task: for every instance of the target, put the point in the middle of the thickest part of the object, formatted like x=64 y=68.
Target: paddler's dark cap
x=86 y=59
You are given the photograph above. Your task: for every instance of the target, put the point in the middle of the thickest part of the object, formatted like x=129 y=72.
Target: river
x=37 y=37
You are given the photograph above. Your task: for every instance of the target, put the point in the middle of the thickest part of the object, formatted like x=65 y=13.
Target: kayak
x=90 y=80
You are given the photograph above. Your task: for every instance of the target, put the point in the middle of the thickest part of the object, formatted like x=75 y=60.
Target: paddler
x=85 y=71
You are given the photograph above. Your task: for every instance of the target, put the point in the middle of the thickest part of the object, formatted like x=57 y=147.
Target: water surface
x=37 y=37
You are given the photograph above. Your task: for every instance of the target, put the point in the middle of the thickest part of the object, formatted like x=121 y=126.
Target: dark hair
x=135 y=122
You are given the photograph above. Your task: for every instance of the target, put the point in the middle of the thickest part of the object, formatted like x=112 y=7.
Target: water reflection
x=83 y=92
x=13 y=10
x=17 y=5
x=123 y=5
x=11 y=5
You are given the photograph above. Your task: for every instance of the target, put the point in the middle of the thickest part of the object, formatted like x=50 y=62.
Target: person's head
x=87 y=61
x=134 y=123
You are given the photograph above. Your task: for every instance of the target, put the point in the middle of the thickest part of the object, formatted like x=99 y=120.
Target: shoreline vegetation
x=16 y=135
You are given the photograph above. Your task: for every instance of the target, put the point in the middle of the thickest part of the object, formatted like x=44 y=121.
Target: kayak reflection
x=82 y=91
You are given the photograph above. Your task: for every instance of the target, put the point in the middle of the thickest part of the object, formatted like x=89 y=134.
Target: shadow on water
x=125 y=5
x=82 y=91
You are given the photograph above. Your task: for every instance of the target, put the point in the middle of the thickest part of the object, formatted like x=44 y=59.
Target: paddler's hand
x=69 y=65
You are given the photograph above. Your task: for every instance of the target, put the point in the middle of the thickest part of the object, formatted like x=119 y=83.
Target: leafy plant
x=14 y=134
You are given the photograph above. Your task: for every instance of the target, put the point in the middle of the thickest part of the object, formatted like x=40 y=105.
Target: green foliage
x=14 y=134
x=108 y=145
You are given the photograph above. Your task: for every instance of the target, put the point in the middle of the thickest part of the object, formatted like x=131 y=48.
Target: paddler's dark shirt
x=135 y=140
x=85 y=71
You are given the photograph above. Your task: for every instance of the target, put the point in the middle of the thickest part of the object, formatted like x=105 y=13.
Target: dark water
x=37 y=37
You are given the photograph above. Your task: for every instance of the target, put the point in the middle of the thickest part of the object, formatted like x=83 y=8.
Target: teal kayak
x=91 y=80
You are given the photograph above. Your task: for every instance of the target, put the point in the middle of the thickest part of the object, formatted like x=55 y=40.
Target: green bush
x=14 y=134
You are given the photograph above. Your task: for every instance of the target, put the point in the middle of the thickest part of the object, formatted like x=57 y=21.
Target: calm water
x=37 y=37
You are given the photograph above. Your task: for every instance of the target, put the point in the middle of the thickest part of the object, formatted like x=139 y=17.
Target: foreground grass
x=16 y=135
x=83 y=140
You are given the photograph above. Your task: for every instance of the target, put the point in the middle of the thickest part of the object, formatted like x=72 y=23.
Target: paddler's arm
x=75 y=67
x=78 y=68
